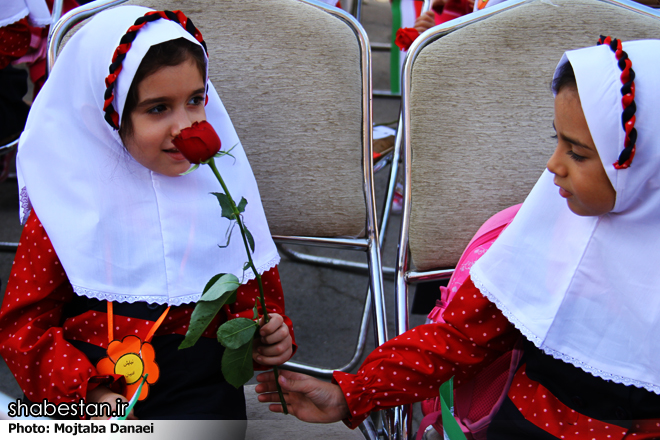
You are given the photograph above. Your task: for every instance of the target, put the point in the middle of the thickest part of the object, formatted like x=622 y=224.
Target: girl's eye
x=197 y=100
x=554 y=136
x=157 y=109
x=575 y=157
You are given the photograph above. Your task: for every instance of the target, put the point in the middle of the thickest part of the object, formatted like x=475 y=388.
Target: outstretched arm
x=309 y=399
x=410 y=367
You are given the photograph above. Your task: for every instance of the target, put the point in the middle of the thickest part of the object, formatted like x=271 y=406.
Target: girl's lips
x=565 y=194
x=174 y=154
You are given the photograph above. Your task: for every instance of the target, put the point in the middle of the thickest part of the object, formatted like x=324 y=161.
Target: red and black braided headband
x=111 y=115
x=627 y=101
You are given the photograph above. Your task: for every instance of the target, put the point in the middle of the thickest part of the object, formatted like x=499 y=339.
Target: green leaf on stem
x=190 y=170
x=249 y=237
x=242 y=204
x=236 y=332
x=237 y=364
x=221 y=286
x=212 y=281
x=225 y=204
x=219 y=291
x=255 y=310
x=230 y=229
x=200 y=318
x=246 y=266
x=225 y=153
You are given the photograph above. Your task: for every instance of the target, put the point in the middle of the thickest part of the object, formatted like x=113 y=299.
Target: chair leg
x=369 y=429
x=391 y=185
x=357 y=354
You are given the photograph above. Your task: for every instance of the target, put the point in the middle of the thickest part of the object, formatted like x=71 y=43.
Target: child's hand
x=425 y=22
x=102 y=394
x=274 y=344
x=310 y=399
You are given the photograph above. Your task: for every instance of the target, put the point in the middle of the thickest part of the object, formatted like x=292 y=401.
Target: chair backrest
x=481 y=111
x=291 y=77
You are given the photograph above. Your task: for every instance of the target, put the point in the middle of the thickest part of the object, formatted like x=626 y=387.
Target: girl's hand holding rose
x=274 y=344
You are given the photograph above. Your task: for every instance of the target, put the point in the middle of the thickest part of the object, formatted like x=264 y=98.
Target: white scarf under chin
x=587 y=289
x=122 y=232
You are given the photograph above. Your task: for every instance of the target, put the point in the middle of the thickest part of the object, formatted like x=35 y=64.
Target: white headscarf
x=13 y=10
x=587 y=289
x=121 y=231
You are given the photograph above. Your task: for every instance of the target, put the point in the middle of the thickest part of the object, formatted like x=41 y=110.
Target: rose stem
x=262 y=300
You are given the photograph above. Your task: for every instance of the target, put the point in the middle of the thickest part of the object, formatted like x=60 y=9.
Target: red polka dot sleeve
x=32 y=342
x=411 y=367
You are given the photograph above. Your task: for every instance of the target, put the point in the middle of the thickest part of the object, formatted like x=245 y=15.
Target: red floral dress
x=47 y=346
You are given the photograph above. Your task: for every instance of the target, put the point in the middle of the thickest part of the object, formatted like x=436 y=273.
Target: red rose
x=405 y=37
x=198 y=143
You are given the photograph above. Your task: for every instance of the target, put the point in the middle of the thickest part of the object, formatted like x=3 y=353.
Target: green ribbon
x=449 y=424
x=135 y=399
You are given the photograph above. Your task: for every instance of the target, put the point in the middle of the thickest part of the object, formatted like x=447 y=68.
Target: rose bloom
x=405 y=37
x=198 y=143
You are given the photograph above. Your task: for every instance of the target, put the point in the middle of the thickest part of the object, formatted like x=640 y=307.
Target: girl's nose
x=181 y=120
x=555 y=164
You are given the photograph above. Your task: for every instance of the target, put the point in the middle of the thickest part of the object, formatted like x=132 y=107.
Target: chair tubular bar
x=391 y=185
x=369 y=430
x=358 y=244
x=57 y=11
x=333 y=263
x=375 y=272
x=372 y=233
x=386 y=94
x=432 y=275
x=375 y=46
x=69 y=20
x=4 y=149
x=357 y=355
x=7 y=246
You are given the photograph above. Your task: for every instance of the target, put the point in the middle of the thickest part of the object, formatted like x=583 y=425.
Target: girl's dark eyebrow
x=570 y=140
x=159 y=99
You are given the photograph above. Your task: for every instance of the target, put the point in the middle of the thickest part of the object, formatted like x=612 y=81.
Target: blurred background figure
x=24 y=28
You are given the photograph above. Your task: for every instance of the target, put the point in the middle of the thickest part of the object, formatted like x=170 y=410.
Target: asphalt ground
x=324 y=304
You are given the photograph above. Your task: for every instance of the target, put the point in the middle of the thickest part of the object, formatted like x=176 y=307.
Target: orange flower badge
x=132 y=359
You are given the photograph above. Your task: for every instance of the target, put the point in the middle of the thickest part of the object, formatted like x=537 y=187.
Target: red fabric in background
x=14 y=42
x=453 y=9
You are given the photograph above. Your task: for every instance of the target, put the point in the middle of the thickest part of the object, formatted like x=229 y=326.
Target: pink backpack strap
x=476 y=401
x=480 y=243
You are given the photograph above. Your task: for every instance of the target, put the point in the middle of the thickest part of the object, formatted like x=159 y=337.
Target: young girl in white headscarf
x=575 y=275
x=117 y=246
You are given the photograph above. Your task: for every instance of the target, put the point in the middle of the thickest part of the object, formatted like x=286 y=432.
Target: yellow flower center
x=131 y=367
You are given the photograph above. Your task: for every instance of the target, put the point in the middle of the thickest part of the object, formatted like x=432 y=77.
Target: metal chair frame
x=392 y=158
x=399 y=419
